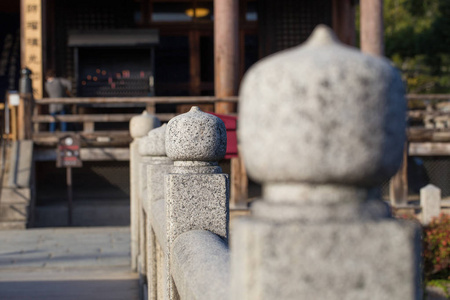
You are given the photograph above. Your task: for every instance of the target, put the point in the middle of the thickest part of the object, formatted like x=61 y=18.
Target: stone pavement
x=67 y=263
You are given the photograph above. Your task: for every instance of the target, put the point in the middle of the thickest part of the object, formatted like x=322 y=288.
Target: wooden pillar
x=344 y=21
x=372 y=33
x=32 y=41
x=398 y=185
x=226 y=52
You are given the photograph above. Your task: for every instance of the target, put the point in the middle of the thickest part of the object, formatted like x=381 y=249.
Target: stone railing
x=320 y=125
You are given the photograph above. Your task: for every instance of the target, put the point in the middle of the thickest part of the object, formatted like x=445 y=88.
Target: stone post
x=154 y=166
x=152 y=151
x=139 y=127
x=430 y=200
x=320 y=124
x=196 y=192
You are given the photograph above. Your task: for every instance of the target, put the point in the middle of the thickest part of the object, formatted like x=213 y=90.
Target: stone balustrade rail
x=320 y=125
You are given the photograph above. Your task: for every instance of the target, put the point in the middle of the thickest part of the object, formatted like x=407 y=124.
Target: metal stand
x=69 y=194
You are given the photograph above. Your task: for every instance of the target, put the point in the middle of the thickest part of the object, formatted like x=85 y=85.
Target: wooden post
x=31 y=42
x=25 y=113
x=344 y=21
x=398 y=186
x=69 y=195
x=372 y=33
x=226 y=52
x=13 y=118
x=239 y=183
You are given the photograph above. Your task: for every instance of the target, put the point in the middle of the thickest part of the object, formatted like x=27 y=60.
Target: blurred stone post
x=139 y=127
x=154 y=166
x=196 y=192
x=430 y=200
x=321 y=124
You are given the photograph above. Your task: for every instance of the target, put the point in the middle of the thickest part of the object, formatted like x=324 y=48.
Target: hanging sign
x=31 y=12
x=68 y=152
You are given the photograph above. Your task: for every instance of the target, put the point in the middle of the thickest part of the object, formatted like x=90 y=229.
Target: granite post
x=153 y=170
x=147 y=146
x=430 y=200
x=196 y=192
x=139 y=127
x=321 y=124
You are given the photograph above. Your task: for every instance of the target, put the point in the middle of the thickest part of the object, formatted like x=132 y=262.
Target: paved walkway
x=73 y=263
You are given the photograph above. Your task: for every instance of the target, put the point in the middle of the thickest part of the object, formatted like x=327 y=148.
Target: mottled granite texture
x=140 y=125
x=334 y=260
x=197 y=136
x=154 y=166
x=201 y=266
x=196 y=192
x=322 y=112
x=319 y=125
x=154 y=144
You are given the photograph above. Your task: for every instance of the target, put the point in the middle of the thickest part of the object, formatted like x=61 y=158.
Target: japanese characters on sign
x=68 y=152
x=32 y=39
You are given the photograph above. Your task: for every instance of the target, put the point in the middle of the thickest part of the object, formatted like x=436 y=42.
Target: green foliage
x=417 y=40
x=442 y=284
x=436 y=248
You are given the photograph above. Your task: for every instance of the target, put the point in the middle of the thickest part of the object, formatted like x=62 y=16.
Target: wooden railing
x=429 y=124
x=92 y=137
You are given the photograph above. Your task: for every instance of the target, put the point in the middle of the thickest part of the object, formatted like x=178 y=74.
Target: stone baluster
x=430 y=200
x=154 y=166
x=139 y=127
x=196 y=192
x=320 y=124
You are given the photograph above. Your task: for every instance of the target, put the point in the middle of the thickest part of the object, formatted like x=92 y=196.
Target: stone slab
x=13 y=212
x=21 y=164
x=295 y=260
x=430 y=200
x=197 y=202
x=15 y=195
x=156 y=170
x=73 y=263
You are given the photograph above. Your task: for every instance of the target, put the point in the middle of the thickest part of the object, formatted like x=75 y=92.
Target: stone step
x=15 y=196
x=13 y=225
x=13 y=212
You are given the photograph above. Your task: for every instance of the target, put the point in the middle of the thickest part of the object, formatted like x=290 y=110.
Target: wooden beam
x=94 y=118
x=92 y=139
x=428 y=96
x=420 y=114
x=419 y=134
x=143 y=100
x=429 y=149
x=372 y=31
x=226 y=52
x=88 y=154
x=84 y=118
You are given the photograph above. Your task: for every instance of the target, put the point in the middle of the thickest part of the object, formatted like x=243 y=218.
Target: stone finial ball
x=154 y=144
x=140 y=125
x=196 y=136
x=322 y=113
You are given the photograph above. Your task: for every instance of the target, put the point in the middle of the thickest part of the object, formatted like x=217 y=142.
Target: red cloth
x=230 y=126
